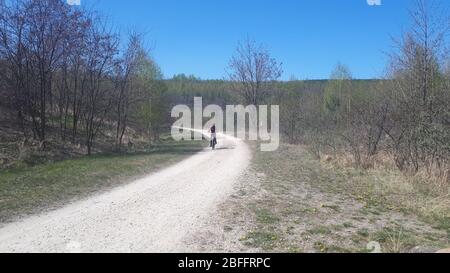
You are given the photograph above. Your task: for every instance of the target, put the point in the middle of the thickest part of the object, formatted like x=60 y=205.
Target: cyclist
x=213 y=136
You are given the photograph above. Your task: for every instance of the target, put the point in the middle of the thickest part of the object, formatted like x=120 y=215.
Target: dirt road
x=153 y=214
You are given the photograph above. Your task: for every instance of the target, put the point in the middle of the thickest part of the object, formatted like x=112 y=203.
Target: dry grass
x=291 y=202
x=423 y=194
x=433 y=180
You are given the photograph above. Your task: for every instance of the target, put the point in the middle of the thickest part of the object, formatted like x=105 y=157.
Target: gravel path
x=153 y=214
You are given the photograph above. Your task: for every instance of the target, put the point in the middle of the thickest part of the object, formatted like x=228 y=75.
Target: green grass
x=320 y=230
x=324 y=248
x=28 y=190
x=265 y=216
x=265 y=240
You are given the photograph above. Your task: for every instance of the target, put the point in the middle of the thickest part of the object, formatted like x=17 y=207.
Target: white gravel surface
x=153 y=214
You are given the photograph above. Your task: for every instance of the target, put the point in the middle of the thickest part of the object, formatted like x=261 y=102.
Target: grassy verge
x=299 y=204
x=29 y=190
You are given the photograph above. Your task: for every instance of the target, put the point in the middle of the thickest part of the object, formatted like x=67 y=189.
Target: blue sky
x=308 y=36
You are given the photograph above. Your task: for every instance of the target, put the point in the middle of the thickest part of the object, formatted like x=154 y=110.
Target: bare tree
x=252 y=70
x=419 y=95
x=69 y=77
x=61 y=72
x=98 y=99
x=35 y=38
x=13 y=52
x=126 y=78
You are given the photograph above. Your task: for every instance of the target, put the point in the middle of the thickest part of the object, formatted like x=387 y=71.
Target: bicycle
x=213 y=141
